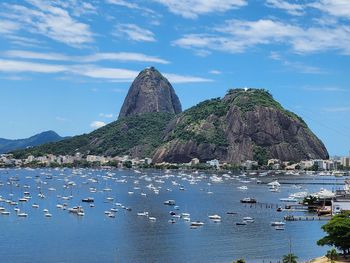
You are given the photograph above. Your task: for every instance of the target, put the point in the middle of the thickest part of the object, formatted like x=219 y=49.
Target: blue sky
x=66 y=65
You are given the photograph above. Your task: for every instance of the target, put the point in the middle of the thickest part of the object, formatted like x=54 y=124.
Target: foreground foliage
x=338 y=233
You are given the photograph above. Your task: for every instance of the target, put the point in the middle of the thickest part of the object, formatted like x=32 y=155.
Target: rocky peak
x=150 y=92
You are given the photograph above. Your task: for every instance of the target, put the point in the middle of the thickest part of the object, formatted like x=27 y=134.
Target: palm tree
x=290 y=258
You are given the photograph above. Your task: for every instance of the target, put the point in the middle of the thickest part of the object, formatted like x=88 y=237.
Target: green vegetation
x=247 y=100
x=141 y=132
x=260 y=155
x=239 y=261
x=194 y=125
x=332 y=255
x=338 y=233
x=290 y=258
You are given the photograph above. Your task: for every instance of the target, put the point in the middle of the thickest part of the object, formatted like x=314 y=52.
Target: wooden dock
x=307 y=218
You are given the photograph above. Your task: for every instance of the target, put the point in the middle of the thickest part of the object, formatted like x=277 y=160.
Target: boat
x=248 y=200
x=35 y=205
x=76 y=210
x=153 y=219
x=172 y=221
x=22 y=215
x=142 y=214
x=88 y=200
x=243 y=187
x=243 y=223
x=279 y=228
x=5 y=213
x=214 y=217
x=277 y=223
x=248 y=219
x=48 y=215
x=197 y=223
x=169 y=202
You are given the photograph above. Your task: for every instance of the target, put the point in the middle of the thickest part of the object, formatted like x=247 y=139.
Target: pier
x=307 y=218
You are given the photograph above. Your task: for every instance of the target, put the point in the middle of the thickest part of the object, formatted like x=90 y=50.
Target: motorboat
x=248 y=200
x=197 y=223
x=169 y=202
x=88 y=200
x=215 y=217
x=278 y=223
x=248 y=219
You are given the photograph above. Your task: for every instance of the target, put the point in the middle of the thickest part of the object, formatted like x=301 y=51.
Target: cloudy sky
x=66 y=65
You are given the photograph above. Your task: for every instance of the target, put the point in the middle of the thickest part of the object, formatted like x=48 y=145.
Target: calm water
x=130 y=238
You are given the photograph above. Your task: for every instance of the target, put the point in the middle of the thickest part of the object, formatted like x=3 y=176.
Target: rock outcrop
x=150 y=92
x=241 y=126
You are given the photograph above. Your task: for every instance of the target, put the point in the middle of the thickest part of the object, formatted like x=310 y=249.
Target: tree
x=260 y=155
x=290 y=258
x=338 y=233
x=332 y=255
x=239 y=261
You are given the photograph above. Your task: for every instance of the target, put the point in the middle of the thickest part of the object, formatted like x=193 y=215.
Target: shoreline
x=324 y=259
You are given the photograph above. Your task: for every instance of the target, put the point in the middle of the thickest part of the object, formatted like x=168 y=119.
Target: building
x=341 y=202
x=194 y=161
x=345 y=161
x=214 y=163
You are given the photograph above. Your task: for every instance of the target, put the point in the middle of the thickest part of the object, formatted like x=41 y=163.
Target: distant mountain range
x=7 y=145
x=246 y=124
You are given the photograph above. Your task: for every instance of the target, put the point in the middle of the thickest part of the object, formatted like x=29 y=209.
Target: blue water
x=130 y=238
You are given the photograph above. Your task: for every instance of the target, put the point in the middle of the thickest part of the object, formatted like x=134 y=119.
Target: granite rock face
x=234 y=128
x=150 y=92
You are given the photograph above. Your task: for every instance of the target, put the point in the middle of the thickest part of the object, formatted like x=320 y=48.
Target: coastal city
x=337 y=165
x=174 y=131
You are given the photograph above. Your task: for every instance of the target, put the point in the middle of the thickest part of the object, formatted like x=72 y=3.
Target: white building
x=342 y=200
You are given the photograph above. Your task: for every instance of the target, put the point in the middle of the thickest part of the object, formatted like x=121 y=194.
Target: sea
x=125 y=236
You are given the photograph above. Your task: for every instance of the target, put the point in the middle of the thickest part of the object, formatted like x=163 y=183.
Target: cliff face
x=239 y=127
x=150 y=92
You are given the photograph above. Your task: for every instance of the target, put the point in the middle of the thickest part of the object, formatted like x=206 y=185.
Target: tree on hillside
x=338 y=233
x=290 y=258
x=332 y=255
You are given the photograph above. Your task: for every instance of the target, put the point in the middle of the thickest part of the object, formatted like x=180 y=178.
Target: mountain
x=136 y=135
x=38 y=139
x=247 y=124
x=150 y=92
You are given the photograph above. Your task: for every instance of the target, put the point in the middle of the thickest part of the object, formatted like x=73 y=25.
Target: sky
x=66 y=65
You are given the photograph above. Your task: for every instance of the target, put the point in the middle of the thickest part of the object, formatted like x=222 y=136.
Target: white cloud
x=337 y=8
x=91 y=71
x=174 y=78
x=49 y=20
x=119 y=56
x=130 y=5
x=133 y=32
x=106 y=115
x=324 y=89
x=293 y=9
x=194 y=8
x=215 y=72
x=337 y=109
x=97 y=124
x=22 y=66
x=61 y=119
x=236 y=36
x=8 y=27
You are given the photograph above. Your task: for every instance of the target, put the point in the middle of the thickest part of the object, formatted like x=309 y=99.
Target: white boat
x=248 y=219
x=243 y=187
x=22 y=215
x=142 y=214
x=197 y=223
x=5 y=213
x=277 y=223
x=48 y=215
x=214 y=217
x=153 y=219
